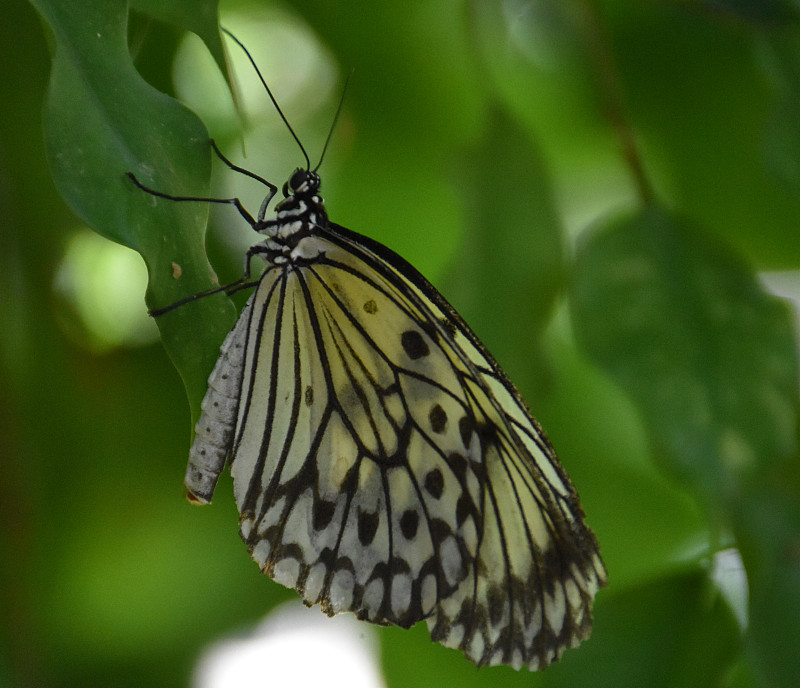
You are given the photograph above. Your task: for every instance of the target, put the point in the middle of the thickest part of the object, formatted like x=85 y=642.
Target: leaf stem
x=611 y=92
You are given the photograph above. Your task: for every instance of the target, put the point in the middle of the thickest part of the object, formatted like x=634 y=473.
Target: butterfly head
x=298 y=217
x=302 y=183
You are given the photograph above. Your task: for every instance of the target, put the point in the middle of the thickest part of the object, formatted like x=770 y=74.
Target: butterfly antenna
x=269 y=93
x=335 y=119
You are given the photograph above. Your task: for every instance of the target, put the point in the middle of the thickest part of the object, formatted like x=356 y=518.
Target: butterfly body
x=383 y=463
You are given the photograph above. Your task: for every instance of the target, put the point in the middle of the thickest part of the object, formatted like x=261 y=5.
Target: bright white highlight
x=730 y=577
x=295 y=646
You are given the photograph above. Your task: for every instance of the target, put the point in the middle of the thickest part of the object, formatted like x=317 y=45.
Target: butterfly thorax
x=291 y=236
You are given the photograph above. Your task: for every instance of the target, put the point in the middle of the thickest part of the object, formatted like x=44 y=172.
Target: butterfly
x=383 y=463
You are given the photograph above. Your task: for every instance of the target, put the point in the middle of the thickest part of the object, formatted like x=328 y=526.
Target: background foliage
x=598 y=186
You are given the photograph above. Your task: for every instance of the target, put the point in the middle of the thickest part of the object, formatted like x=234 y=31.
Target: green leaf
x=769 y=12
x=767 y=526
x=198 y=16
x=782 y=129
x=682 y=324
x=102 y=121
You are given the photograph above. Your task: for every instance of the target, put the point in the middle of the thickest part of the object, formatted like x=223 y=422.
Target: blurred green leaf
x=673 y=631
x=706 y=158
x=396 y=88
x=763 y=11
x=782 y=129
x=767 y=525
x=101 y=121
x=782 y=142
x=684 y=327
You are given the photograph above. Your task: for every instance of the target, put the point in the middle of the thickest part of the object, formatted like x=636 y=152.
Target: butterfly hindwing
x=384 y=465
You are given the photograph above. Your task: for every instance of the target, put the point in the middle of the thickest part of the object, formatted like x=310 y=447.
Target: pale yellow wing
x=384 y=465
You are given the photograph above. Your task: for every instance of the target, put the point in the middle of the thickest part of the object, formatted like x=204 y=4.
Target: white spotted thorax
x=383 y=464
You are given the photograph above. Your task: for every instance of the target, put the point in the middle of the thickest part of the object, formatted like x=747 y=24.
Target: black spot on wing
x=322 y=513
x=409 y=522
x=464 y=508
x=434 y=483
x=466 y=427
x=497 y=602
x=414 y=344
x=367 y=526
x=438 y=419
x=458 y=465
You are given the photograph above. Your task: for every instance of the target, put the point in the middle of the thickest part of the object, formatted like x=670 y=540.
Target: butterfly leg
x=201 y=199
x=262 y=211
x=243 y=282
x=272 y=188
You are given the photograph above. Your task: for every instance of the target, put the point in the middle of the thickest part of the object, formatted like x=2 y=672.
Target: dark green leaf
x=686 y=329
x=198 y=16
x=707 y=162
x=769 y=12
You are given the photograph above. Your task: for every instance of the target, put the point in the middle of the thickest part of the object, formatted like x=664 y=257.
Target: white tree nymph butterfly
x=383 y=463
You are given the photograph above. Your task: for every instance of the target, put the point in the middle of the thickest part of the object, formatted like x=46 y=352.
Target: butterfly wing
x=384 y=465
x=530 y=590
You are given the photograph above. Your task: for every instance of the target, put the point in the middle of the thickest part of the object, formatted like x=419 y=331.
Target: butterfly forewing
x=530 y=590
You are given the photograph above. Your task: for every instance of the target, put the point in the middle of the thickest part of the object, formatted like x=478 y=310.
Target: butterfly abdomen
x=215 y=427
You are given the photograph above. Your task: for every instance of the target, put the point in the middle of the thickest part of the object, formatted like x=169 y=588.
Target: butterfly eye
x=304 y=183
x=301 y=181
x=298 y=180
